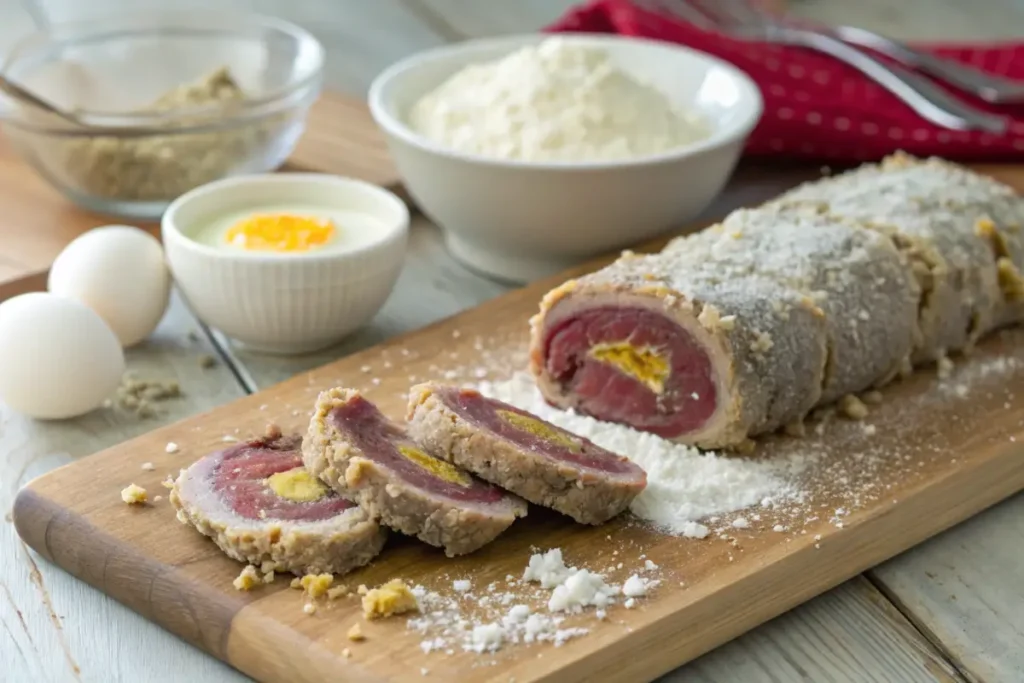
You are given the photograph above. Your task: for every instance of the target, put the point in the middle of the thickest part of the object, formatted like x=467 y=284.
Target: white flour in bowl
x=684 y=485
x=554 y=101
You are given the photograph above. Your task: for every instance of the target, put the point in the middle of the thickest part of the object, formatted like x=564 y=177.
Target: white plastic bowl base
x=286 y=303
x=518 y=221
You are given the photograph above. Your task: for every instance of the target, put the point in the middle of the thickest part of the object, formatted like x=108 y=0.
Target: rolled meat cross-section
x=365 y=457
x=522 y=453
x=858 y=278
x=260 y=505
x=962 y=232
x=665 y=343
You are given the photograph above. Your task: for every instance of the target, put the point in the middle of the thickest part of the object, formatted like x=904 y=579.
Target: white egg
x=58 y=358
x=119 y=272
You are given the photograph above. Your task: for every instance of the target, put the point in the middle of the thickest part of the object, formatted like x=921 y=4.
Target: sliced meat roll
x=962 y=232
x=857 y=277
x=664 y=343
x=365 y=457
x=260 y=505
x=522 y=453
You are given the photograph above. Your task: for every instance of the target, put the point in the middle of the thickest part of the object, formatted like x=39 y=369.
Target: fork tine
x=683 y=10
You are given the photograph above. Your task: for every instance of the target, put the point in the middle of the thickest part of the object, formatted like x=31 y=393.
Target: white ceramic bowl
x=285 y=303
x=521 y=220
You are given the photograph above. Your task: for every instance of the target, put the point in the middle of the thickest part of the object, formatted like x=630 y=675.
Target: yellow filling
x=439 y=468
x=280 y=232
x=539 y=429
x=643 y=364
x=297 y=485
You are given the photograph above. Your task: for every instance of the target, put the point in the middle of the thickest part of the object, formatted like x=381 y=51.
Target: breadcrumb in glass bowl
x=171 y=101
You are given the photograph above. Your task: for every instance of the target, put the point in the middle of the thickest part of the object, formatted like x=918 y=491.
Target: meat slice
x=962 y=232
x=259 y=505
x=365 y=457
x=522 y=453
x=668 y=344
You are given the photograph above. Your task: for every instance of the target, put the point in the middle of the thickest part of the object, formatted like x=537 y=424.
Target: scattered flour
x=636 y=586
x=684 y=485
x=503 y=616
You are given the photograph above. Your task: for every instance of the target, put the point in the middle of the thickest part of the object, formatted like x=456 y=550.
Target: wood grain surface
x=940 y=454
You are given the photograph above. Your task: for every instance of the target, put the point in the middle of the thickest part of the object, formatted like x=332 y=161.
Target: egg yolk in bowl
x=280 y=232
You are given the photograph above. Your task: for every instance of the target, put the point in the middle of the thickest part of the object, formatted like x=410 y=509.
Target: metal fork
x=740 y=20
x=994 y=89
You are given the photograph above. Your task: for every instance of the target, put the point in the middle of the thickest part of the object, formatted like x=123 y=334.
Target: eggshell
x=58 y=359
x=119 y=272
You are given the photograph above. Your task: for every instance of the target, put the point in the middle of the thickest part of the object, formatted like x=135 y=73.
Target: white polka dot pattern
x=817 y=107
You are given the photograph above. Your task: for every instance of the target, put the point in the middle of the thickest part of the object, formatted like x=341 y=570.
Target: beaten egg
x=60 y=359
x=288 y=229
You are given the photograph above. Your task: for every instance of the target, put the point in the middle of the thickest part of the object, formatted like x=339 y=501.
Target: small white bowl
x=285 y=303
x=519 y=220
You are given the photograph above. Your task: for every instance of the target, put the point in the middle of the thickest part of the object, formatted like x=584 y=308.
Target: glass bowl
x=170 y=101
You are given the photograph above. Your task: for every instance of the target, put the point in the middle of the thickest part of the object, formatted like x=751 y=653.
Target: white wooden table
x=949 y=610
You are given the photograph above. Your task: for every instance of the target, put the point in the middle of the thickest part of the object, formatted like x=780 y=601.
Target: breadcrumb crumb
x=133 y=494
x=337 y=592
x=393 y=597
x=248 y=579
x=316 y=585
x=355 y=633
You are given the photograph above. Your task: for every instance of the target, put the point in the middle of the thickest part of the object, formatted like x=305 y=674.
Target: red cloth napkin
x=817 y=107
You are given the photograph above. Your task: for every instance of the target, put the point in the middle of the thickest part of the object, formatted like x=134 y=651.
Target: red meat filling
x=380 y=439
x=241 y=478
x=683 y=404
x=486 y=412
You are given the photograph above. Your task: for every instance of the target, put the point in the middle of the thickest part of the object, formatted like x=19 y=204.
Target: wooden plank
x=57 y=628
x=851 y=633
x=721 y=599
x=962 y=590
x=342 y=138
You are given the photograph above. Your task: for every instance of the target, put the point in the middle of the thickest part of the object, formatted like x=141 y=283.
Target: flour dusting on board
x=684 y=485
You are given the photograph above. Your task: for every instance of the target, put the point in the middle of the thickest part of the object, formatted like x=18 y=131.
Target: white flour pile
x=555 y=101
x=684 y=485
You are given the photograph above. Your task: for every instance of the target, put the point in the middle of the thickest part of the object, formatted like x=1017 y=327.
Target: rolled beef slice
x=260 y=505
x=364 y=456
x=666 y=344
x=522 y=453
x=961 y=231
x=857 y=277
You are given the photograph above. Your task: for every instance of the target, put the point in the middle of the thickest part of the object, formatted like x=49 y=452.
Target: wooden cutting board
x=36 y=222
x=935 y=452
